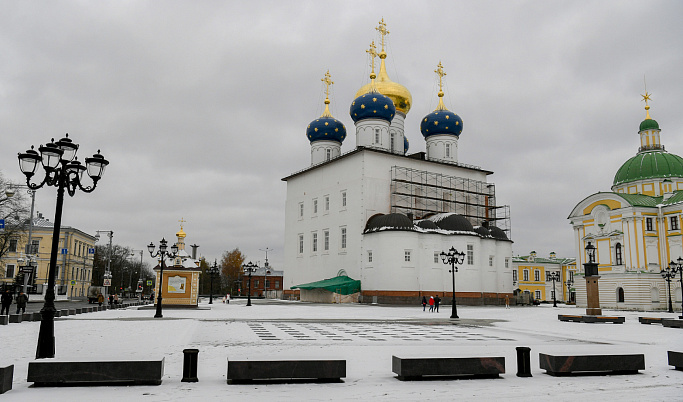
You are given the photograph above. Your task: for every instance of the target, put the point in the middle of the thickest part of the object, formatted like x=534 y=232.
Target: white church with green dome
x=636 y=227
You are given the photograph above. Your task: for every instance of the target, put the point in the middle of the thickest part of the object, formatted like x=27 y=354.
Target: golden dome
x=181 y=234
x=399 y=94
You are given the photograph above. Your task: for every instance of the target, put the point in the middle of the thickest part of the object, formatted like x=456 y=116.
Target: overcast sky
x=201 y=106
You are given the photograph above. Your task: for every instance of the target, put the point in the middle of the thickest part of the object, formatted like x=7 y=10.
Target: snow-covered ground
x=365 y=335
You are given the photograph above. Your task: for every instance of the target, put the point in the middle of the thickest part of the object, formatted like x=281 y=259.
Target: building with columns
x=636 y=227
x=381 y=215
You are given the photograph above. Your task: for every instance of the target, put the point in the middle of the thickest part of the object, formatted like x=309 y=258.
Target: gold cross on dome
x=439 y=71
x=646 y=97
x=327 y=79
x=182 y=220
x=373 y=53
x=382 y=29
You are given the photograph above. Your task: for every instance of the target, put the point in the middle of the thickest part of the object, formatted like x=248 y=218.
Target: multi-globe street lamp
x=669 y=274
x=249 y=268
x=64 y=171
x=213 y=272
x=569 y=283
x=452 y=258
x=555 y=277
x=162 y=254
x=678 y=267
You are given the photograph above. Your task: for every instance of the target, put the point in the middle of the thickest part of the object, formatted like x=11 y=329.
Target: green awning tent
x=339 y=284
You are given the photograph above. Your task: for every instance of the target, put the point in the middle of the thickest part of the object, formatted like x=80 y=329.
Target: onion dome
x=452 y=222
x=326 y=127
x=398 y=94
x=181 y=234
x=406 y=145
x=498 y=233
x=394 y=221
x=649 y=165
x=441 y=120
x=372 y=105
x=427 y=224
x=482 y=231
x=648 y=123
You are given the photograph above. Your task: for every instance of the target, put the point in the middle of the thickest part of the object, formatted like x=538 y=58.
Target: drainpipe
x=662 y=239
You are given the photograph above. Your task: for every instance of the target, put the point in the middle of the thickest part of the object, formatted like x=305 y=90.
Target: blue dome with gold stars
x=372 y=105
x=441 y=122
x=406 y=145
x=326 y=129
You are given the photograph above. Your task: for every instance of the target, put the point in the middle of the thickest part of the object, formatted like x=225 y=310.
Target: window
x=406 y=256
x=315 y=206
x=571 y=275
x=12 y=246
x=369 y=255
x=526 y=275
x=537 y=275
x=377 y=136
x=490 y=261
x=648 y=224
x=436 y=257
x=343 y=199
x=315 y=242
x=301 y=210
x=674 y=223
x=328 y=154
x=392 y=141
x=301 y=244
x=618 y=260
x=507 y=263
x=448 y=150
x=256 y=284
x=326 y=235
x=9 y=271
x=327 y=203
x=277 y=284
x=34 y=247
x=343 y=238
x=514 y=275
x=267 y=285
x=537 y=295
x=470 y=254
x=620 y=295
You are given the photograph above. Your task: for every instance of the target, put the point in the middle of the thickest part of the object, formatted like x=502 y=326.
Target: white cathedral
x=379 y=217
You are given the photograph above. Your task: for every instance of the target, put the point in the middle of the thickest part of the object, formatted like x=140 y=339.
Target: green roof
x=649 y=165
x=339 y=284
x=640 y=200
x=649 y=124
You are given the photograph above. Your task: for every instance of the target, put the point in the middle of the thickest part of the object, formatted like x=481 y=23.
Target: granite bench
x=591 y=364
x=248 y=371
x=591 y=318
x=60 y=373
x=15 y=318
x=409 y=369
x=675 y=359
x=672 y=323
x=650 y=320
x=6 y=378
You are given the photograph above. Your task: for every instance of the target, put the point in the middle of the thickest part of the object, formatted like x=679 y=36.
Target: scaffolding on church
x=423 y=193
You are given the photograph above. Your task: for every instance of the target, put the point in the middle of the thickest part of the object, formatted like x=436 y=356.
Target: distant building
x=74 y=262
x=530 y=274
x=636 y=227
x=265 y=282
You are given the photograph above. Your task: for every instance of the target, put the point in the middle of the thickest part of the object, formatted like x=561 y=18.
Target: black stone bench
x=675 y=359
x=27 y=317
x=15 y=318
x=60 y=373
x=669 y=322
x=409 y=369
x=4 y=319
x=248 y=371
x=650 y=320
x=591 y=364
x=6 y=377
x=591 y=318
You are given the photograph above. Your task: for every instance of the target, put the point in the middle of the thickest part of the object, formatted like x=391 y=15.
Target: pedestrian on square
x=116 y=299
x=507 y=301
x=437 y=300
x=6 y=301
x=111 y=300
x=22 y=299
x=431 y=304
x=424 y=303
x=100 y=299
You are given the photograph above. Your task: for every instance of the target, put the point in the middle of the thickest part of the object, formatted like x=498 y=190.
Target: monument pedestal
x=593 y=295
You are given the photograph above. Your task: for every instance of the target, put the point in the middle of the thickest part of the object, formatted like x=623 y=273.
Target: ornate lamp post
x=553 y=276
x=64 y=171
x=569 y=283
x=162 y=254
x=451 y=258
x=213 y=272
x=668 y=274
x=249 y=268
x=678 y=267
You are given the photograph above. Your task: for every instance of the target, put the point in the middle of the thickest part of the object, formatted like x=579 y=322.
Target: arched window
x=618 y=260
x=448 y=150
x=392 y=142
x=654 y=295
x=328 y=154
x=620 y=295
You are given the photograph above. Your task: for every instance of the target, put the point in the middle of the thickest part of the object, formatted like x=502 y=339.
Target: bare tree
x=14 y=211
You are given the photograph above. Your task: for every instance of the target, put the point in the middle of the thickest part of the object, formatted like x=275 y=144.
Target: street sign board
x=73 y=282
x=26 y=270
x=2 y=223
x=149 y=283
x=91 y=250
x=107 y=282
x=65 y=251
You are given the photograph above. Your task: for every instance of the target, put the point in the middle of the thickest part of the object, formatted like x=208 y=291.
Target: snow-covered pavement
x=366 y=336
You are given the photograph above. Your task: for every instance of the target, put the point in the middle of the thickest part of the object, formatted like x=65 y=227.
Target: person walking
x=507 y=301
x=22 y=299
x=431 y=304
x=111 y=300
x=6 y=301
x=424 y=303
x=100 y=299
x=437 y=300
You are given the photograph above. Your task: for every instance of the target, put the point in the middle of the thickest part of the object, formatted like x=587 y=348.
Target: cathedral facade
x=381 y=215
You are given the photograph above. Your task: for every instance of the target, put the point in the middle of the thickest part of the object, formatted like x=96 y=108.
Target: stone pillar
x=593 y=296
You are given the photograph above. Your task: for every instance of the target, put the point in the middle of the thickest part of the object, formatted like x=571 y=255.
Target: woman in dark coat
x=6 y=301
x=424 y=303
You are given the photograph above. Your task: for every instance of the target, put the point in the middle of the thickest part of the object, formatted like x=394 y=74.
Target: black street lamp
x=451 y=258
x=668 y=274
x=249 y=268
x=678 y=267
x=569 y=282
x=64 y=171
x=213 y=271
x=553 y=276
x=162 y=254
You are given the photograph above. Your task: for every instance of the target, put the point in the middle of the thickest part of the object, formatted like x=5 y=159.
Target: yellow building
x=636 y=228
x=530 y=275
x=75 y=259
